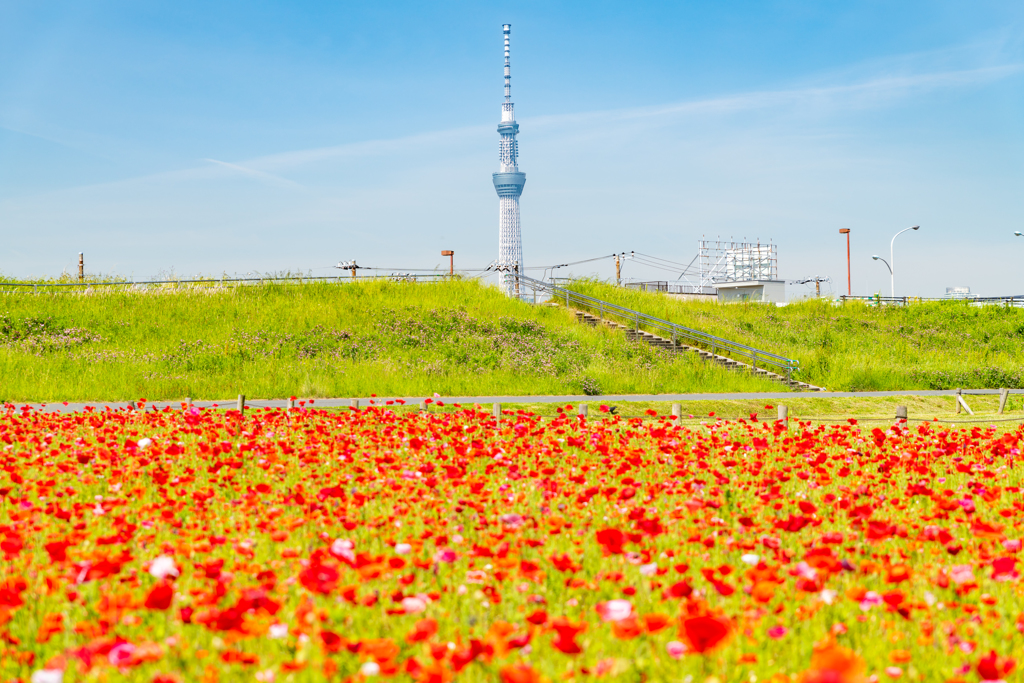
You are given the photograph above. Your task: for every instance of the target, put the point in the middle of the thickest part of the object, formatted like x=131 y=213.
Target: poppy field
x=360 y=545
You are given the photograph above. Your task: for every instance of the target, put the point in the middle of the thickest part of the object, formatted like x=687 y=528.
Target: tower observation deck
x=508 y=183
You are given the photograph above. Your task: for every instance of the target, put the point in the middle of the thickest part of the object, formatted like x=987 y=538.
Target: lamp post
x=1018 y=233
x=879 y=258
x=892 y=260
x=451 y=260
x=846 y=231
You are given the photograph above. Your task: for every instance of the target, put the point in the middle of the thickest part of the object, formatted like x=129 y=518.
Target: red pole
x=849 y=289
x=451 y=260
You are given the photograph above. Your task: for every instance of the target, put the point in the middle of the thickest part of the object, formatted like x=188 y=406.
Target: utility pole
x=618 y=271
x=846 y=231
x=81 y=266
x=451 y=263
x=348 y=265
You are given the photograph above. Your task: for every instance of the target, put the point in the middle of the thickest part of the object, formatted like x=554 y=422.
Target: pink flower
x=476 y=576
x=413 y=605
x=614 y=610
x=1012 y=545
x=893 y=672
x=871 y=599
x=776 y=632
x=445 y=555
x=806 y=571
x=675 y=649
x=961 y=574
x=342 y=549
x=649 y=569
x=121 y=654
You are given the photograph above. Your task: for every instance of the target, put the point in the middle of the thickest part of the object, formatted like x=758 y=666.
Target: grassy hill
x=856 y=347
x=355 y=339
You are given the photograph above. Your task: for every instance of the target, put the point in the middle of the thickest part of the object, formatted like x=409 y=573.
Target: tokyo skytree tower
x=508 y=182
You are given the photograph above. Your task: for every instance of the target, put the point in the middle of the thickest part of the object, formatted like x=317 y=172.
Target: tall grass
x=354 y=339
x=856 y=347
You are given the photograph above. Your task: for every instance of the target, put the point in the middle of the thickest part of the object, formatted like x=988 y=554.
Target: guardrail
x=1016 y=300
x=223 y=282
x=671 y=288
x=677 y=333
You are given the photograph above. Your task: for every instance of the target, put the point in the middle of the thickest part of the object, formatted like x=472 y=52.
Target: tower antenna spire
x=508 y=183
x=507 y=29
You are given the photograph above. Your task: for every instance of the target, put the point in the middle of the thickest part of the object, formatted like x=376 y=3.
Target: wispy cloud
x=872 y=92
x=259 y=175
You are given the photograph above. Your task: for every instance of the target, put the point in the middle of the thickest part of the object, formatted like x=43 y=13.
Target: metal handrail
x=220 y=282
x=1013 y=300
x=678 y=333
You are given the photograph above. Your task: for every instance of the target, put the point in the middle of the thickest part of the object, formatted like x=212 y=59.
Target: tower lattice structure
x=508 y=183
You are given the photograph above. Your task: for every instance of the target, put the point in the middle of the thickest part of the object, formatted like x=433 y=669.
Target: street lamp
x=892 y=260
x=1018 y=233
x=879 y=258
x=451 y=261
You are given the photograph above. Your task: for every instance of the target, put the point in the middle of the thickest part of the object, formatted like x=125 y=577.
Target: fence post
x=290 y=404
x=677 y=410
x=583 y=410
x=958 y=400
x=241 y=402
x=901 y=413
x=354 y=403
x=1003 y=395
x=423 y=406
x=783 y=414
x=497 y=411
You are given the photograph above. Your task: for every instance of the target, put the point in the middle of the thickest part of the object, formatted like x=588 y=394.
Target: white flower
x=649 y=569
x=402 y=548
x=265 y=676
x=828 y=596
x=144 y=443
x=750 y=559
x=278 y=631
x=162 y=567
x=370 y=669
x=48 y=676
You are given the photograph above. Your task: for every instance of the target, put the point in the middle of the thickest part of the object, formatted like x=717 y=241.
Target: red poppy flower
x=704 y=633
x=160 y=596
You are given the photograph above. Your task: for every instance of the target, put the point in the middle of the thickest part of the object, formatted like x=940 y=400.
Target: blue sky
x=210 y=137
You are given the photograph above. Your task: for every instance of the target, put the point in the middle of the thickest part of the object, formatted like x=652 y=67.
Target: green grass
x=315 y=340
x=856 y=347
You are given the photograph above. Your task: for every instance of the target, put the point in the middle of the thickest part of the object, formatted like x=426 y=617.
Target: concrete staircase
x=667 y=346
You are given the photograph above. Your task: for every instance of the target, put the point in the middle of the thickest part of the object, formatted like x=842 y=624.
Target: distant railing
x=679 y=334
x=224 y=282
x=671 y=288
x=1016 y=300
